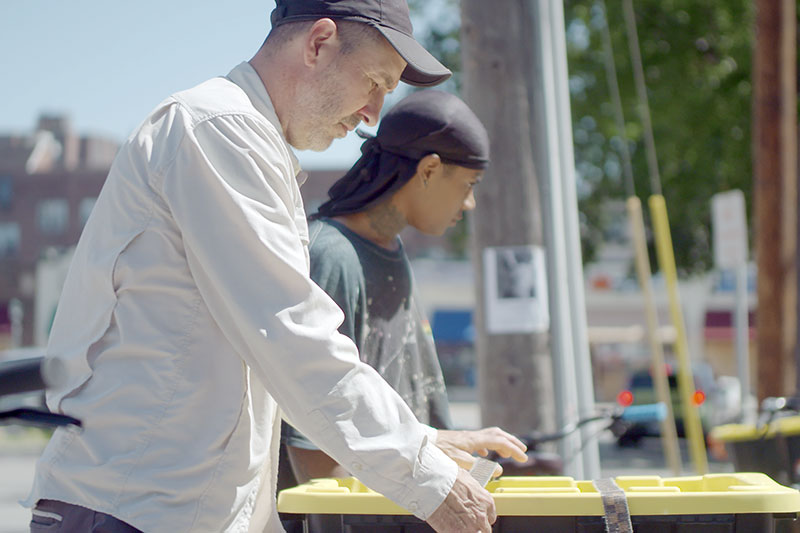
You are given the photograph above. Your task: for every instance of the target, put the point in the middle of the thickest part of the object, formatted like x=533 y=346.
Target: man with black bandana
x=419 y=170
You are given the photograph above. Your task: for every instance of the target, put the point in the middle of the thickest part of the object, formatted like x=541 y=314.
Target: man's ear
x=320 y=40
x=429 y=166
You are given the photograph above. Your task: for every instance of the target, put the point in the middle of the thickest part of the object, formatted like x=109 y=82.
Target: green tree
x=697 y=61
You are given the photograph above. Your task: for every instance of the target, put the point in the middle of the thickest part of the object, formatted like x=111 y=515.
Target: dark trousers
x=52 y=515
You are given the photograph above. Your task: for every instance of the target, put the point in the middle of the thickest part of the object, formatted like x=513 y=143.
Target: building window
x=53 y=216
x=6 y=192
x=9 y=239
x=85 y=209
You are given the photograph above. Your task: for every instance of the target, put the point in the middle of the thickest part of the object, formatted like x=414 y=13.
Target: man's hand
x=460 y=445
x=469 y=507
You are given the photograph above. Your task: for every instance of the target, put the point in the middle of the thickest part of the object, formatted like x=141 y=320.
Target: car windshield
x=643 y=380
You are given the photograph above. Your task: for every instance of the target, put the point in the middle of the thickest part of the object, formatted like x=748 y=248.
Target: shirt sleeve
x=336 y=270
x=229 y=190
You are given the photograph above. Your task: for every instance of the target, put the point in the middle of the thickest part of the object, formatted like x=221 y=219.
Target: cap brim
x=423 y=70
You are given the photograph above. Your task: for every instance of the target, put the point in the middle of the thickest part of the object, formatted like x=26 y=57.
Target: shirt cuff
x=432 y=434
x=435 y=474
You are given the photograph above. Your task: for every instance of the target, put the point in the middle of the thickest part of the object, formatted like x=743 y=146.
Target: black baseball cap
x=390 y=17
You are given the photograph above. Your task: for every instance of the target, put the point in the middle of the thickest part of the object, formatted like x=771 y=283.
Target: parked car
x=717 y=401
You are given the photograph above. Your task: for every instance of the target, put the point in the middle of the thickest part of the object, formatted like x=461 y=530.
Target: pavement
x=20 y=448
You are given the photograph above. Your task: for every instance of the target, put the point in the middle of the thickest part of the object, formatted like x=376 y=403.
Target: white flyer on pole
x=729 y=225
x=516 y=289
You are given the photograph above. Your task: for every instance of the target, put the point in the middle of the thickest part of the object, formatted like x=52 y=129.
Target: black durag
x=426 y=122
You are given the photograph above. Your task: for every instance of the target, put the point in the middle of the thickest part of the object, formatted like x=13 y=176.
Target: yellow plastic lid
x=787 y=426
x=736 y=493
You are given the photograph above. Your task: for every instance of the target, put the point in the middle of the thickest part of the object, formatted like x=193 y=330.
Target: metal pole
x=583 y=362
x=742 y=324
x=641 y=90
x=547 y=157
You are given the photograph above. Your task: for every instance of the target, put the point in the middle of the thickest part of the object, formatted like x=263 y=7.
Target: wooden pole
x=515 y=375
x=775 y=182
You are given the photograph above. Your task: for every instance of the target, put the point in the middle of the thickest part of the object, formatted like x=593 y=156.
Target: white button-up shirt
x=188 y=316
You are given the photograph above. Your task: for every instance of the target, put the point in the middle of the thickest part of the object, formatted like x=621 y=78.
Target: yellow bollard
x=666 y=261
x=669 y=435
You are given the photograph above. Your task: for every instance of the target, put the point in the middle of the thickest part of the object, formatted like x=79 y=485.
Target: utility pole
x=776 y=194
x=515 y=374
x=515 y=76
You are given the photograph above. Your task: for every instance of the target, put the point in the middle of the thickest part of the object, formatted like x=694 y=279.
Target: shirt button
x=413 y=506
x=356 y=467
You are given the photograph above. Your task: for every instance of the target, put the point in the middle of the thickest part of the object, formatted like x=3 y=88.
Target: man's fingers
x=498 y=471
x=468 y=507
x=505 y=444
x=463 y=459
x=509 y=449
x=520 y=455
x=491 y=512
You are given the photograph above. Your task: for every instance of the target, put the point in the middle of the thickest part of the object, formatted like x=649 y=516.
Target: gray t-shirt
x=375 y=289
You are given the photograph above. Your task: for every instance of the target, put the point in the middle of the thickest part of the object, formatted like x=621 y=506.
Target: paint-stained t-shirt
x=375 y=289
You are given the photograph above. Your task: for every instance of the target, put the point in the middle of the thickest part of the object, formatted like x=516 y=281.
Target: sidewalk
x=19 y=450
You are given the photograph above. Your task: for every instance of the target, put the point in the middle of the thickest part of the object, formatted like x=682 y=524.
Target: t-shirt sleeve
x=336 y=269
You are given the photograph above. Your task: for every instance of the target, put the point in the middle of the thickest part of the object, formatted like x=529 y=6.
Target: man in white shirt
x=188 y=314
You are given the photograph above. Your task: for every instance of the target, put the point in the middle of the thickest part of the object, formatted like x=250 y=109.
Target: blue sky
x=106 y=64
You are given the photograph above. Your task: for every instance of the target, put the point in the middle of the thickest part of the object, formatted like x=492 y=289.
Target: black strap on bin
x=615 y=506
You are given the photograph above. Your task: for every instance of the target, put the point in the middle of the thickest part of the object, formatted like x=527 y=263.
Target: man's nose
x=469 y=202
x=370 y=113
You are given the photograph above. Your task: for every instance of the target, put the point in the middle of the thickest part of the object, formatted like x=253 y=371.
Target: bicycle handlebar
x=781 y=403
x=31 y=375
x=652 y=412
x=23 y=375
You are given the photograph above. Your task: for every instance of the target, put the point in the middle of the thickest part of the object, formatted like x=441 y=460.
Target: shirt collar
x=246 y=77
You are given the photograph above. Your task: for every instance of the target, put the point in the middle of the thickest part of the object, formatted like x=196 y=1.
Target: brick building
x=49 y=180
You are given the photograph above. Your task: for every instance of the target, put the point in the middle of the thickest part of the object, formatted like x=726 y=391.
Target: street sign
x=729 y=227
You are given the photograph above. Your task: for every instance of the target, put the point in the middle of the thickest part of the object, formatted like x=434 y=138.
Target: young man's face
x=350 y=90
x=441 y=203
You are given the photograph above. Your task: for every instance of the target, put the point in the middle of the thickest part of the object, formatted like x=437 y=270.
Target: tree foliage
x=697 y=61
